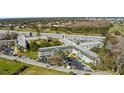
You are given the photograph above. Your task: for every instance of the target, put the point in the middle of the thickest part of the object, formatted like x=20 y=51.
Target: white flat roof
x=89 y=43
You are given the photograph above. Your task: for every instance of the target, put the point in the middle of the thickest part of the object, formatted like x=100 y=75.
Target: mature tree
x=8 y=36
x=56 y=59
x=11 y=27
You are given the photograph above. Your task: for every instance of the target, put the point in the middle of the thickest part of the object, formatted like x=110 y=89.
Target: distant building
x=73 y=37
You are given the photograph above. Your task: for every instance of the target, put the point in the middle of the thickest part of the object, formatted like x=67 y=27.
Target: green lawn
x=122 y=70
x=33 y=54
x=34 y=70
x=9 y=67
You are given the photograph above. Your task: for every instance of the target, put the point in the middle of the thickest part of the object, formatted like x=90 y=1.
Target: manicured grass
x=33 y=54
x=122 y=70
x=34 y=70
x=9 y=67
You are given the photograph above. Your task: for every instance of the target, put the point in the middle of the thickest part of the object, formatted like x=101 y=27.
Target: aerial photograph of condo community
x=62 y=46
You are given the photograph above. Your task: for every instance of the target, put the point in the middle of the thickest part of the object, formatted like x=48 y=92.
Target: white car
x=68 y=67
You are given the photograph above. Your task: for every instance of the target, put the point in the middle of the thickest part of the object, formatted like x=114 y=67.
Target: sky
x=61 y=8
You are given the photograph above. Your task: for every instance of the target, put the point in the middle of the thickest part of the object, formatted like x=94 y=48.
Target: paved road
x=32 y=62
